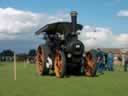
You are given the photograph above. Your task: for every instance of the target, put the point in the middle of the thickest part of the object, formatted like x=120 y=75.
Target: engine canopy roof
x=58 y=27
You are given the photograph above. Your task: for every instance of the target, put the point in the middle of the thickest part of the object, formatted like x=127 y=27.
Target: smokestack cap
x=73 y=13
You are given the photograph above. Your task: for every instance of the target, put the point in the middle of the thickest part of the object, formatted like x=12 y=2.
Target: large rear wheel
x=41 y=61
x=59 y=64
x=90 y=68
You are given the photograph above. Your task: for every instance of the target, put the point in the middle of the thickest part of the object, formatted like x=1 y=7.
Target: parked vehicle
x=62 y=52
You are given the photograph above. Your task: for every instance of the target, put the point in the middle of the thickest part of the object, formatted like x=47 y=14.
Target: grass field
x=29 y=84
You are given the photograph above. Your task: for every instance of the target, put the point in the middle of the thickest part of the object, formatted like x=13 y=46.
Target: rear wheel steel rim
x=58 y=65
x=40 y=61
x=89 y=67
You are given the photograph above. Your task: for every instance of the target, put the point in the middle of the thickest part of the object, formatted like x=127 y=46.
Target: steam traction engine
x=62 y=52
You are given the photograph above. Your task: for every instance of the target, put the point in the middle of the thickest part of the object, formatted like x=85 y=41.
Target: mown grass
x=29 y=84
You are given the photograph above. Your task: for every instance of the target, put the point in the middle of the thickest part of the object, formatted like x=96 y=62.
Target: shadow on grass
x=68 y=76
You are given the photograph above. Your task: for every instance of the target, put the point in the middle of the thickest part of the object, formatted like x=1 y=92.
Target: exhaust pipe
x=74 y=21
x=74 y=24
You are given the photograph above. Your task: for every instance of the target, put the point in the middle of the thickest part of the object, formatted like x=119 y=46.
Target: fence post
x=14 y=66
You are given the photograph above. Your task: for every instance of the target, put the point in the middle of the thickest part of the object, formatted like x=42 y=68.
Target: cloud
x=122 y=37
x=123 y=13
x=110 y=3
x=14 y=23
x=17 y=28
x=102 y=38
x=116 y=1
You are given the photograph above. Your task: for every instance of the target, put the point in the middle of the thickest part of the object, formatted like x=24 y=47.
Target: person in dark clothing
x=106 y=61
x=100 y=61
x=126 y=64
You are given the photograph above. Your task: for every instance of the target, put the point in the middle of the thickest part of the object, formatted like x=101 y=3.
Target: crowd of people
x=106 y=62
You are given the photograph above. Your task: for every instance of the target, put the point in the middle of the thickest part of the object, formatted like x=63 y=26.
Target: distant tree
x=7 y=52
x=32 y=52
x=6 y=55
x=31 y=55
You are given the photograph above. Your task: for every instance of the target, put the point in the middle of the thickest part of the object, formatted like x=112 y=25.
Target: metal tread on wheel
x=41 y=61
x=59 y=64
x=90 y=67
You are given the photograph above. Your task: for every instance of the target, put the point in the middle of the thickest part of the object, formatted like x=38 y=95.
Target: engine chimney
x=74 y=21
x=74 y=24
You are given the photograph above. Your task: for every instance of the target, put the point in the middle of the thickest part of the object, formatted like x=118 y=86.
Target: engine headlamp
x=84 y=54
x=69 y=55
x=77 y=46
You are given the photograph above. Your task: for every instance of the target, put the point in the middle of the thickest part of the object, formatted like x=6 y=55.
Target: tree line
x=8 y=54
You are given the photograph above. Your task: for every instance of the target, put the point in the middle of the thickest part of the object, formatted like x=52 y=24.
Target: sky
x=19 y=19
